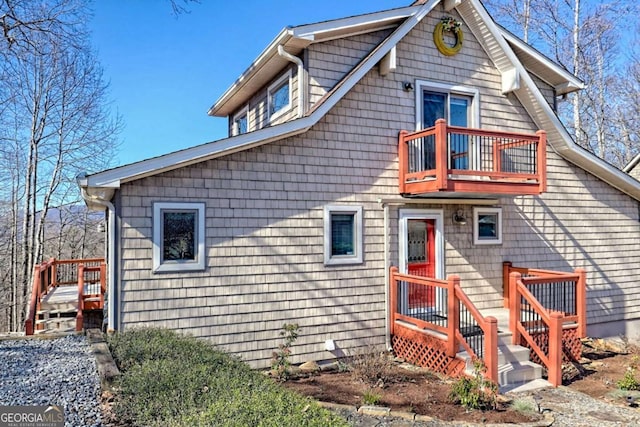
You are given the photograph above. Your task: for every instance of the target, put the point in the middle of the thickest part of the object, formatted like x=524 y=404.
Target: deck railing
x=458 y=159
x=447 y=312
x=53 y=273
x=544 y=308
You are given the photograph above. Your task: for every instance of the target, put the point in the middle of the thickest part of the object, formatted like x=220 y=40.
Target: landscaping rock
x=310 y=366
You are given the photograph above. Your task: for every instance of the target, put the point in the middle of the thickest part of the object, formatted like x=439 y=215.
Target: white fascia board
x=566 y=147
x=572 y=82
x=314 y=31
x=114 y=177
x=270 y=51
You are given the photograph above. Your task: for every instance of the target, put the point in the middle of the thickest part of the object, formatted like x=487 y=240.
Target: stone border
x=107 y=369
x=384 y=412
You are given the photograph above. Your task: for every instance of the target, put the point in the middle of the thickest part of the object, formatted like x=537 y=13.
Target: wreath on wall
x=448 y=24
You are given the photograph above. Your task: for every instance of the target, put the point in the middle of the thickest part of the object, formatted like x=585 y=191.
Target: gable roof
x=505 y=50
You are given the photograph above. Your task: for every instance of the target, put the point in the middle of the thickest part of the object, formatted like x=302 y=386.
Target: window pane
x=459 y=112
x=342 y=234
x=279 y=98
x=241 y=125
x=433 y=108
x=178 y=231
x=487 y=226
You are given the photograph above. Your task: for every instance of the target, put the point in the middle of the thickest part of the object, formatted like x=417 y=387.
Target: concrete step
x=525 y=387
x=506 y=354
x=518 y=372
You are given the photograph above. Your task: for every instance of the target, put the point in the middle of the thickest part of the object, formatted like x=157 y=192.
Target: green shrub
x=475 y=392
x=280 y=363
x=172 y=380
x=370 y=397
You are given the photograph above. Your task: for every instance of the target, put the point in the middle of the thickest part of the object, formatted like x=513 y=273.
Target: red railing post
x=581 y=302
x=506 y=269
x=514 y=307
x=491 y=349
x=393 y=298
x=442 y=154
x=542 y=160
x=453 y=314
x=79 y=316
x=103 y=282
x=54 y=272
x=403 y=160
x=554 y=369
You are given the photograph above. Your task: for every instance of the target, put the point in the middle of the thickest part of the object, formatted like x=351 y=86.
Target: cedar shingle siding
x=264 y=217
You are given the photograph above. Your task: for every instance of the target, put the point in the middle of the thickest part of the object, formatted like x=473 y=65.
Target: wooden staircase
x=66 y=295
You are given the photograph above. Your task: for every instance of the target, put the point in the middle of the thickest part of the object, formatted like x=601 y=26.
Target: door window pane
x=434 y=108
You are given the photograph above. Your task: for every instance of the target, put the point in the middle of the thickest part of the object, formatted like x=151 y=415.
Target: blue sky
x=166 y=71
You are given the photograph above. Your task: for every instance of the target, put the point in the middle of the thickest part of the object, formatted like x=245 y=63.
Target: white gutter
x=111 y=239
x=283 y=53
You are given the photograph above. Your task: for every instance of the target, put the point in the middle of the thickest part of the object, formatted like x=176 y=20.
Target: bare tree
x=55 y=121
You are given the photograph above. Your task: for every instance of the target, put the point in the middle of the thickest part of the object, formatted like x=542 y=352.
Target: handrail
x=455 y=298
x=553 y=323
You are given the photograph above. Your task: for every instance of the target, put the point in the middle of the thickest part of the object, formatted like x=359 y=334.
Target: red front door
x=421 y=259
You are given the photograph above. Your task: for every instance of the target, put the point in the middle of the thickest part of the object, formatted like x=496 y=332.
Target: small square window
x=178 y=237
x=487 y=226
x=279 y=96
x=240 y=123
x=342 y=235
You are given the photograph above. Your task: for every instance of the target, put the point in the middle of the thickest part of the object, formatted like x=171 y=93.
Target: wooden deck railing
x=449 y=313
x=547 y=312
x=53 y=273
x=457 y=159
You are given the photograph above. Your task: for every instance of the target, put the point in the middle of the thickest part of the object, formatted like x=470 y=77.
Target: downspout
x=111 y=238
x=387 y=314
x=300 y=65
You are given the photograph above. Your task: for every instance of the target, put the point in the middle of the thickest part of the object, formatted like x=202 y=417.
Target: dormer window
x=240 y=122
x=279 y=96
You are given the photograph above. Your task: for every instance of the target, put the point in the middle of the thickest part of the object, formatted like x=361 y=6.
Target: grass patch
x=172 y=380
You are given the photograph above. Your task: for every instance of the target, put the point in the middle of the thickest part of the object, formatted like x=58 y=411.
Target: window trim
x=167 y=266
x=243 y=112
x=449 y=89
x=477 y=211
x=357 y=257
x=288 y=77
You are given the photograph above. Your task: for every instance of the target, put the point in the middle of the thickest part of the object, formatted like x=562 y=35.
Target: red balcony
x=449 y=159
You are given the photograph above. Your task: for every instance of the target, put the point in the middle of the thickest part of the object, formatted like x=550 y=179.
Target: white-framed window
x=240 y=123
x=279 y=96
x=178 y=236
x=487 y=226
x=343 y=235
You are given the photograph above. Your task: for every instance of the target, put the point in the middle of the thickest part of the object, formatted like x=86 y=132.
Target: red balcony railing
x=462 y=160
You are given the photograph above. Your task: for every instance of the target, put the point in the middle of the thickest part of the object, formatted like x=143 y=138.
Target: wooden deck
x=62 y=295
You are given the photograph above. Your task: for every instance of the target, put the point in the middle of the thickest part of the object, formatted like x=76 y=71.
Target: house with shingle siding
x=357 y=145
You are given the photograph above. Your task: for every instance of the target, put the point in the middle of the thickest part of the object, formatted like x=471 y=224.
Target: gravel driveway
x=59 y=371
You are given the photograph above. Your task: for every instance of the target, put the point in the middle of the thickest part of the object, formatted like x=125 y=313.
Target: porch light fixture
x=459 y=217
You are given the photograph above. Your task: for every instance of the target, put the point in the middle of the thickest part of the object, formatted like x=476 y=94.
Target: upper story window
x=178 y=237
x=279 y=96
x=240 y=122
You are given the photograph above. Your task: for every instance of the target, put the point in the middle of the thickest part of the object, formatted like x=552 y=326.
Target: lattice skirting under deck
x=571 y=345
x=425 y=350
